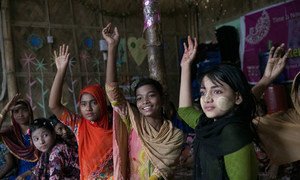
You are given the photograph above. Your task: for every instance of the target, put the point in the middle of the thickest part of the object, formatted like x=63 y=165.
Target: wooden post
x=8 y=49
x=153 y=31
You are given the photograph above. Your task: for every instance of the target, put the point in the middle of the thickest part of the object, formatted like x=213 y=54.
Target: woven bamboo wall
x=78 y=24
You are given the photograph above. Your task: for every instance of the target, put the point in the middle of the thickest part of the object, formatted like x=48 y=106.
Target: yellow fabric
x=280 y=132
x=163 y=147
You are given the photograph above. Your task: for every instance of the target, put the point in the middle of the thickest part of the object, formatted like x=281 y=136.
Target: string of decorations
x=96 y=9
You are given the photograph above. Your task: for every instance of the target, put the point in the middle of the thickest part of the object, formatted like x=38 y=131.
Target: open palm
x=189 y=52
x=62 y=57
x=276 y=62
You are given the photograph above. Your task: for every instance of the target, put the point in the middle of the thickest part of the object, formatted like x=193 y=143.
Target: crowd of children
x=141 y=141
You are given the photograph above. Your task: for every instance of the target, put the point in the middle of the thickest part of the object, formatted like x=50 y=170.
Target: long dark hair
x=237 y=81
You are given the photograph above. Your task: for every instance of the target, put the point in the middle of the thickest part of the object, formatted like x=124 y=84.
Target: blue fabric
x=180 y=124
x=23 y=165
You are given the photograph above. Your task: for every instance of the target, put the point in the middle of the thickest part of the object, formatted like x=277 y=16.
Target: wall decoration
x=85 y=58
x=151 y=16
x=264 y=28
x=138 y=49
x=73 y=82
x=260 y=30
x=122 y=52
x=40 y=66
x=27 y=61
x=88 y=43
x=35 y=42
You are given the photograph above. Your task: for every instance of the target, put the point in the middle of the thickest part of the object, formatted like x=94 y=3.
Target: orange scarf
x=95 y=138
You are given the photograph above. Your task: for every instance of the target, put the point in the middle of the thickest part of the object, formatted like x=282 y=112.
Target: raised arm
x=111 y=35
x=61 y=61
x=275 y=66
x=185 y=95
x=8 y=107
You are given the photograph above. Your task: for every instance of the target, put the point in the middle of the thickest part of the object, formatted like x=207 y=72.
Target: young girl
x=16 y=138
x=64 y=132
x=92 y=128
x=223 y=144
x=154 y=143
x=57 y=160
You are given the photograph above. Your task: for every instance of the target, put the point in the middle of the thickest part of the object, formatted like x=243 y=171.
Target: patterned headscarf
x=13 y=138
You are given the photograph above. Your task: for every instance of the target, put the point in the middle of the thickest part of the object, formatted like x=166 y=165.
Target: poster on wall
x=271 y=26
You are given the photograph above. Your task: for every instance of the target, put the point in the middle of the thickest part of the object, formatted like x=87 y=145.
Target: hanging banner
x=269 y=27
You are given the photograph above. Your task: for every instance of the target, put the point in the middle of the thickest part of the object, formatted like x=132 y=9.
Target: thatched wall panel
x=23 y=51
x=60 y=12
x=83 y=15
x=73 y=22
x=28 y=10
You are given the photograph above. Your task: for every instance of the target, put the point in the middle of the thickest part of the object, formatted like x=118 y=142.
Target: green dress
x=240 y=164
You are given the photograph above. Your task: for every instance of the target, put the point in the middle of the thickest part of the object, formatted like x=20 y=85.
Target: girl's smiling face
x=148 y=101
x=43 y=139
x=217 y=99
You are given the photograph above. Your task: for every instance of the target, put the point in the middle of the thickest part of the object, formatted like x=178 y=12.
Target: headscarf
x=13 y=137
x=279 y=132
x=95 y=138
x=214 y=140
x=163 y=147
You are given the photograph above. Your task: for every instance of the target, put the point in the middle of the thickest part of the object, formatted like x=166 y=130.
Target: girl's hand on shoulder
x=189 y=52
x=62 y=57
x=111 y=35
x=276 y=62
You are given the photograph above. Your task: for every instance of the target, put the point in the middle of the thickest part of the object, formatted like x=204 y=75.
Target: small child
x=56 y=161
x=64 y=132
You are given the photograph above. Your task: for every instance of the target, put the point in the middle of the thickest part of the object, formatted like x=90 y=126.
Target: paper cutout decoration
x=40 y=66
x=122 y=52
x=138 y=49
x=88 y=43
x=35 y=42
x=27 y=62
x=73 y=82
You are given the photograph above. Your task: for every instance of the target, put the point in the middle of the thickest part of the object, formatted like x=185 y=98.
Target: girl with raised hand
x=16 y=138
x=223 y=143
x=154 y=143
x=91 y=127
x=57 y=160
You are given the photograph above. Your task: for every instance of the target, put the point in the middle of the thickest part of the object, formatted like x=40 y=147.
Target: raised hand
x=276 y=62
x=62 y=57
x=111 y=35
x=189 y=52
x=11 y=103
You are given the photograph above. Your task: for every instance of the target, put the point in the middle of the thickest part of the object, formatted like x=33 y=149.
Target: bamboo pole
x=8 y=49
x=153 y=31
